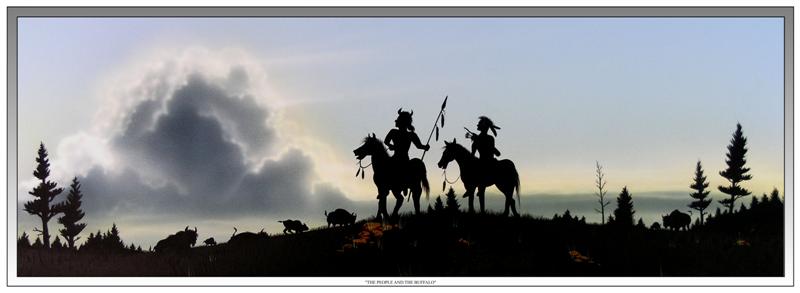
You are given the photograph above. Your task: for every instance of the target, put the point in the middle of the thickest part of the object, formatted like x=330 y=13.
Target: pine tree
x=72 y=214
x=753 y=202
x=37 y=243
x=438 y=206
x=451 y=203
x=623 y=215
x=57 y=243
x=736 y=172
x=774 y=198
x=23 y=241
x=640 y=224
x=567 y=216
x=701 y=203
x=114 y=241
x=44 y=194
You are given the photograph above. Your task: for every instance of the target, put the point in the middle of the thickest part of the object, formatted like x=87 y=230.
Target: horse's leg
x=481 y=193
x=382 y=211
x=399 y=196
x=470 y=193
x=513 y=203
x=416 y=192
x=508 y=191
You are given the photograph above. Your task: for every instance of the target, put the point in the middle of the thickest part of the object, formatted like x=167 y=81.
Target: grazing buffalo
x=676 y=220
x=340 y=217
x=293 y=226
x=179 y=242
x=210 y=242
x=246 y=238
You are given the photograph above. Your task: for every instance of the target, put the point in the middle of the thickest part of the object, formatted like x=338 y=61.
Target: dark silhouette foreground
x=454 y=244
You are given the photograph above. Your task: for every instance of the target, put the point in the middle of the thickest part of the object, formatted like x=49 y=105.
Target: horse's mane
x=374 y=140
x=457 y=147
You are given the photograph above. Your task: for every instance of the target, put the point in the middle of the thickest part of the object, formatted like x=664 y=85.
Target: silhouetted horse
x=389 y=177
x=473 y=175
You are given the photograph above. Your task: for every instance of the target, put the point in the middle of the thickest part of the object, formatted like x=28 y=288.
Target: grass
x=446 y=245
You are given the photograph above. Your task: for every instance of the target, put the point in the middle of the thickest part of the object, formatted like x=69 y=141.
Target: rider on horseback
x=399 y=140
x=484 y=144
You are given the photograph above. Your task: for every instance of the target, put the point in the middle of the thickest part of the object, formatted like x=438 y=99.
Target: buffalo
x=340 y=217
x=179 y=242
x=246 y=237
x=210 y=242
x=294 y=226
x=676 y=220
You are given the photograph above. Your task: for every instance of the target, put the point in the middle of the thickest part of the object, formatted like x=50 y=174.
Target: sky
x=222 y=122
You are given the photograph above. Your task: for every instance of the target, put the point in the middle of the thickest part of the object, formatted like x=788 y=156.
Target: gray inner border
x=786 y=13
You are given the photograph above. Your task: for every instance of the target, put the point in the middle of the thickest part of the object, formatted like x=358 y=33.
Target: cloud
x=189 y=138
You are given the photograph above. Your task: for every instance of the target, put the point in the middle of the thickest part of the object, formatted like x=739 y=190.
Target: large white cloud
x=193 y=132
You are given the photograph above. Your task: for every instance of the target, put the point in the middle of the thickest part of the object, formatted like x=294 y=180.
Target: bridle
x=361 y=168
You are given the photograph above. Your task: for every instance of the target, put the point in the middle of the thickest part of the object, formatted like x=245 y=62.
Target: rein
x=444 y=174
x=444 y=183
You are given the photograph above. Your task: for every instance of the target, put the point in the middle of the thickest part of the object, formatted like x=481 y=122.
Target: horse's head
x=449 y=153
x=372 y=145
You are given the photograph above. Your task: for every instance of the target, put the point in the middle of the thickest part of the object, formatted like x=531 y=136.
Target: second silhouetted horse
x=475 y=176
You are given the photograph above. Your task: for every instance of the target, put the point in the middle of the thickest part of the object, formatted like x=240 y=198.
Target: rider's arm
x=388 y=140
x=474 y=145
x=494 y=149
x=417 y=143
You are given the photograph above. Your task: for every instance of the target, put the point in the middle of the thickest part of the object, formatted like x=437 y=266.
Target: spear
x=435 y=126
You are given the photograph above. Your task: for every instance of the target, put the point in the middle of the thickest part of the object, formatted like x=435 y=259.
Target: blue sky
x=647 y=97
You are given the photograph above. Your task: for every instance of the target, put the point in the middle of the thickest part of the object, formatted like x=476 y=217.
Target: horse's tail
x=423 y=173
x=516 y=186
x=425 y=186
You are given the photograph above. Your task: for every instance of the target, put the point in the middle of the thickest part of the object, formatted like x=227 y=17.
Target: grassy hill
x=441 y=244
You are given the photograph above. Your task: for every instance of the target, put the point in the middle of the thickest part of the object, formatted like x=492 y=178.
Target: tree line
x=735 y=174
x=46 y=208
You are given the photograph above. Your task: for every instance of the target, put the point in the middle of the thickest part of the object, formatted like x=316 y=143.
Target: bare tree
x=600 y=183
